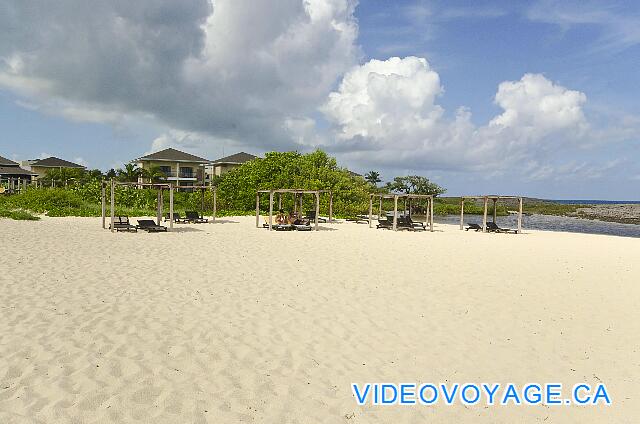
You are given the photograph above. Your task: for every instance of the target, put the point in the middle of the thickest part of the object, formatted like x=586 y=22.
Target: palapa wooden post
x=330 y=206
x=317 y=209
x=484 y=217
x=395 y=212
x=270 y=210
x=104 y=205
x=279 y=201
x=295 y=202
x=431 y=214
x=202 y=201
x=462 y=213
x=370 y=210
x=258 y=209
x=215 y=203
x=160 y=205
x=519 y=215
x=171 y=206
x=113 y=205
x=495 y=211
x=380 y=209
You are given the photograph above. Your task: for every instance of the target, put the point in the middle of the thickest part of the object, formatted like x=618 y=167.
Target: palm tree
x=373 y=177
x=130 y=173
x=153 y=174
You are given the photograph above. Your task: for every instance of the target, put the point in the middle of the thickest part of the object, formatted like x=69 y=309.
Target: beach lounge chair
x=472 y=226
x=195 y=217
x=384 y=224
x=493 y=227
x=302 y=225
x=311 y=216
x=176 y=218
x=121 y=223
x=420 y=226
x=150 y=226
x=359 y=219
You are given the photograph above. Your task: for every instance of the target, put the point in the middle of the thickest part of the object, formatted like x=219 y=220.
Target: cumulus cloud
x=228 y=69
x=388 y=111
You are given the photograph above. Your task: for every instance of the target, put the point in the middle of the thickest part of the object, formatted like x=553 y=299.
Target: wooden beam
x=113 y=205
x=431 y=214
x=370 y=210
x=520 y=216
x=160 y=206
x=279 y=201
x=395 y=213
x=171 y=206
x=462 y=213
x=330 y=206
x=215 y=204
x=270 y=210
x=495 y=210
x=317 y=209
x=258 y=210
x=380 y=209
x=484 y=217
x=104 y=204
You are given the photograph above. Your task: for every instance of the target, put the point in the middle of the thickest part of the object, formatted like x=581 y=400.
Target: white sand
x=226 y=323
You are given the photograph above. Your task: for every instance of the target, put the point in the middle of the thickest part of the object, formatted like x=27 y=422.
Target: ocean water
x=552 y=223
x=596 y=202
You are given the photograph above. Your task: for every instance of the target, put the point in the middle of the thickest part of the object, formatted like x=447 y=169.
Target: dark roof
x=174 y=155
x=7 y=162
x=241 y=157
x=353 y=174
x=14 y=170
x=54 y=162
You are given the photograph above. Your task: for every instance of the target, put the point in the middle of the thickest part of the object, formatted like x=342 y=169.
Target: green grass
x=18 y=215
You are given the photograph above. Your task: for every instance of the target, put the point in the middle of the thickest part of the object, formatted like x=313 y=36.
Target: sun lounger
x=121 y=223
x=493 y=227
x=472 y=226
x=420 y=226
x=195 y=217
x=176 y=218
x=311 y=216
x=150 y=226
x=384 y=224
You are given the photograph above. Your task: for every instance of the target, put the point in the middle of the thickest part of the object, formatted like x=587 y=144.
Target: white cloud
x=231 y=69
x=619 y=28
x=386 y=113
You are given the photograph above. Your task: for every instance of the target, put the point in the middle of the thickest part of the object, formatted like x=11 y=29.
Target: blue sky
x=548 y=90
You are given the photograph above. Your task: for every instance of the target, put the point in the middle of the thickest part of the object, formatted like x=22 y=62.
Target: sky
x=535 y=98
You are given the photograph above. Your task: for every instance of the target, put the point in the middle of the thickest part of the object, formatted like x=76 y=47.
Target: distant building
x=227 y=163
x=10 y=170
x=41 y=166
x=178 y=167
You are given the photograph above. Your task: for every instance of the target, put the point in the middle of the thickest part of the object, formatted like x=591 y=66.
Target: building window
x=186 y=172
x=166 y=170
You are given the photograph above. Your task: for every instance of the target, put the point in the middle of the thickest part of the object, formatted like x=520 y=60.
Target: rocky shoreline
x=625 y=214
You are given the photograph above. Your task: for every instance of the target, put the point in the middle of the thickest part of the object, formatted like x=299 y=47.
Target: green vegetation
x=17 y=214
x=313 y=171
x=78 y=192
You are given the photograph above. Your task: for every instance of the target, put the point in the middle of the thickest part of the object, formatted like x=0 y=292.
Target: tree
x=153 y=174
x=372 y=177
x=414 y=184
x=110 y=174
x=130 y=173
x=313 y=171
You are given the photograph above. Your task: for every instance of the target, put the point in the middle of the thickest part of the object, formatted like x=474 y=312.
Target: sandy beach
x=225 y=323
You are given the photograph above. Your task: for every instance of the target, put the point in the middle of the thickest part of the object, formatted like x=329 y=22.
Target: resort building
x=227 y=163
x=40 y=167
x=10 y=170
x=179 y=168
